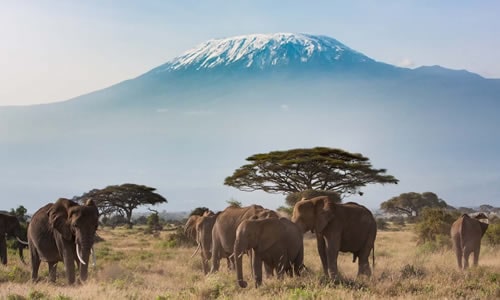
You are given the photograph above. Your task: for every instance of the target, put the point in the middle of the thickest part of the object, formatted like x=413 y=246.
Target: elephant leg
x=321 y=244
x=332 y=252
x=52 y=271
x=364 y=263
x=216 y=256
x=298 y=263
x=476 y=254
x=467 y=253
x=257 y=269
x=269 y=270
x=204 y=262
x=364 y=267
x=69 y=265
x=3 y=249
x=459 y=255
x=35 y=264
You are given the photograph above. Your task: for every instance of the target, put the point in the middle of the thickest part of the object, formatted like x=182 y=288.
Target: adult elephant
x=63 y=231
x=348 y=227
x=276 y=242
x=466 y=234
x=203 y=228
x=10 y=226
x=224 y=231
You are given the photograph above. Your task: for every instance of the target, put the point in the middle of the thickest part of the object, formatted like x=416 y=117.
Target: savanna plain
x=134 y=264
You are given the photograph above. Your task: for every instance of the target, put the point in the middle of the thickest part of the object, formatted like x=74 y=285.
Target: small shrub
x=409 y=271
x=492 y=234
x=36 y=295
x=179 y=238
x=434 y=222
x=382 y=224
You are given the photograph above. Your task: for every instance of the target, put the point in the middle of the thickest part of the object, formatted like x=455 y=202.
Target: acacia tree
x=412 y=203
x=122 y=199
x=296 y=170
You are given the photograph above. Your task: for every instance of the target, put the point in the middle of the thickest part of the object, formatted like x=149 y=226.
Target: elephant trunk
x=238 y=255
x=83 y=254
x=20 y=248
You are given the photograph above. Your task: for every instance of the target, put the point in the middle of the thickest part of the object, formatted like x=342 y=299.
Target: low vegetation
x=134 y=265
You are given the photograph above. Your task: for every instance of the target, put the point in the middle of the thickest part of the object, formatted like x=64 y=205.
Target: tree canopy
x=412 y=203
x=296 y=170
x=122 y=199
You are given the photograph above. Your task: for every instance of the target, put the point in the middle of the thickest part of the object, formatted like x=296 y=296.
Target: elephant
x=63 y=231
x=203 y=227
x=190 y=226
x=224 y=231
x=466 y=234
x=348 y=227
x=10 y=226
x=277 y=242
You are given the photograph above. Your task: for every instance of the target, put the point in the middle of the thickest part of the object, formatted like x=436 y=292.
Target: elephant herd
x=65 y=230
x=277 y=243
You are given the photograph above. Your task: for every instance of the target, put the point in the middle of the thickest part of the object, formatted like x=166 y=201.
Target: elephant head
x=77 y=224
x=483 y=222
x=10 y=226
x=313 y=214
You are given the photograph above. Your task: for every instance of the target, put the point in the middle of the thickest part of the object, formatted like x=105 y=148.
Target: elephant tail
x=373 y=256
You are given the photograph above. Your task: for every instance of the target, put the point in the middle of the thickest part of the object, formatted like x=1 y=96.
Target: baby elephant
x=466 y=234
x=276 y=242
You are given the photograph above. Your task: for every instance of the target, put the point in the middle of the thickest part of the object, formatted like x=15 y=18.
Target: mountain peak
x=262 y=51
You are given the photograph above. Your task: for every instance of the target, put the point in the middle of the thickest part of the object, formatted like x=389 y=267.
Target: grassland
x=134 y=265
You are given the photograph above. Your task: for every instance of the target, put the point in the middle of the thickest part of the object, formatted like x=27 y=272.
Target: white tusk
x=93 y=257
x=78 y=254
x=196 y=251
x=21 y=241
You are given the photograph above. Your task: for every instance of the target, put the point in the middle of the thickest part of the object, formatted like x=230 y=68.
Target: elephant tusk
x=21 y=241
x=93 y=256
x=195 y=251
x=78 y=254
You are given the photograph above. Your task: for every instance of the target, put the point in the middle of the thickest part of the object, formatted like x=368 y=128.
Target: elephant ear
x=91 y=203
x=324 y=213
x=58 y=217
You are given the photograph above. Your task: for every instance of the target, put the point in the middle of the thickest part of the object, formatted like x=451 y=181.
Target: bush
x=179 y=238
x=492 y=234
x=382 y=224
x=434 y=226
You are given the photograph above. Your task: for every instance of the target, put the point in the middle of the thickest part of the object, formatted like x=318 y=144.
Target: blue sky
x=55 y=50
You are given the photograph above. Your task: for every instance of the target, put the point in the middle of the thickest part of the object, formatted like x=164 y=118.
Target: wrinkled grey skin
x=9 y=226
x=348 y=227
x=54 y=232
x=466 y=234
x=224 y=231
x=276 y=242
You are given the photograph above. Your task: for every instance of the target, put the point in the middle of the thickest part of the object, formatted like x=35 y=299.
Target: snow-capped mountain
x=262 y=51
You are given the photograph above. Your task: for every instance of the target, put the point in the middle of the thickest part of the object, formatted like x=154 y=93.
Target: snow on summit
x=259 y=51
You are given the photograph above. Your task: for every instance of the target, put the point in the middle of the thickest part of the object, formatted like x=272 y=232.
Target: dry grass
x=132 y=265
